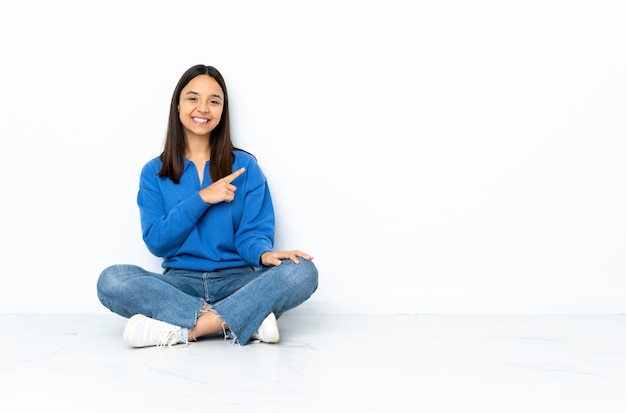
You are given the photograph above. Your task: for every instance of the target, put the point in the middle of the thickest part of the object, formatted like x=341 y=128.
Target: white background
x=440 y=156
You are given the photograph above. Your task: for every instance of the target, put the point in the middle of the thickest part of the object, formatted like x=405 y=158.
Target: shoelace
x=165 y=340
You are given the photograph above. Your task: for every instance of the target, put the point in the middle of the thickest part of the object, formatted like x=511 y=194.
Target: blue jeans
x=242 y=296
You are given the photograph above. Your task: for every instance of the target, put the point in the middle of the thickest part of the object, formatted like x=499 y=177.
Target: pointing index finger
x=234 y=175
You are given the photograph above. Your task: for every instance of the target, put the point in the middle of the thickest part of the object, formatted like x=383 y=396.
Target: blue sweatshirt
x=178 y=226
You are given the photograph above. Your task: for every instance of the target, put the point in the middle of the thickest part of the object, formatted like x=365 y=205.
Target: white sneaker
x=142 y=331
x=268 y=330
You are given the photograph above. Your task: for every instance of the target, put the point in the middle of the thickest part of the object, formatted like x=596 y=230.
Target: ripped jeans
x=242 y=296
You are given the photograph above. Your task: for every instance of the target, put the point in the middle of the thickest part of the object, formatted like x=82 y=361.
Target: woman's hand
x=221 y=190
x=275 y=257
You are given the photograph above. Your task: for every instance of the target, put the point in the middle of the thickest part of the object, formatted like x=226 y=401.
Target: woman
x=206 y=209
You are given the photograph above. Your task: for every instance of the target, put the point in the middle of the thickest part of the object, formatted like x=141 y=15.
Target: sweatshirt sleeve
x=164 y=232
x=255 y=234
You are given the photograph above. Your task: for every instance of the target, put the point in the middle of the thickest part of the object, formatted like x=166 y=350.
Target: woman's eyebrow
x=191 y=92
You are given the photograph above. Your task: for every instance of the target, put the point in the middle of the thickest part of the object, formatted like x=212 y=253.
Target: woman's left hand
x=275 y=257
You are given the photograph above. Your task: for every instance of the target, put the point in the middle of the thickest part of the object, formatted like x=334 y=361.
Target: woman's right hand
x=221 y=190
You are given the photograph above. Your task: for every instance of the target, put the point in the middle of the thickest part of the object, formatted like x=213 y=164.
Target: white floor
x=323 y=363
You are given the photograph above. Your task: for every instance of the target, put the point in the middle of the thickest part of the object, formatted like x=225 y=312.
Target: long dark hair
x=220 y=141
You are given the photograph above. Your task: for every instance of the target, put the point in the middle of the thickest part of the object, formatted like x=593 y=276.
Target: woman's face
x=200 y=106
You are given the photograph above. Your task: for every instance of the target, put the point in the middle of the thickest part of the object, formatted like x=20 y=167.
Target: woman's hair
x=220 y=141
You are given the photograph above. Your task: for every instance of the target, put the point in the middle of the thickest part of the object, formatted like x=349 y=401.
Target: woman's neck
x=198 y=148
